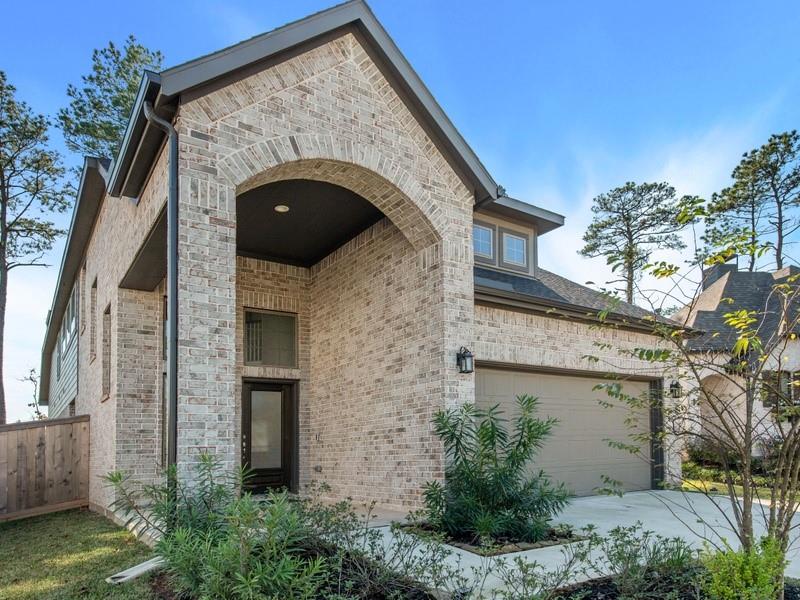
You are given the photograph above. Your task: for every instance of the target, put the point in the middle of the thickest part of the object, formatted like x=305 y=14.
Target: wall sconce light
x=465 y=360
x=675 y=389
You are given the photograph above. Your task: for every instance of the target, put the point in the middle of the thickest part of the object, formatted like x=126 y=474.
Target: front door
x=268 y=434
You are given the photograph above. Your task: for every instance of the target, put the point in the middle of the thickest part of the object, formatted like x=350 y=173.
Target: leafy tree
x=629 y=222
x=737 y=213
x=758 y=206
x=31 y=188
x=95 y=120
x=733 y=391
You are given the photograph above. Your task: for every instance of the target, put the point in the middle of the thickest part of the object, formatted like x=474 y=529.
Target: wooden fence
x=44 y=466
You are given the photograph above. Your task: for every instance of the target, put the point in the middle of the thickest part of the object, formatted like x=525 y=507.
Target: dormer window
x=515 y=250
x=483 y=242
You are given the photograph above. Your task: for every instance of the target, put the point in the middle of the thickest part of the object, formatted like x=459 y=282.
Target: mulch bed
x=604 y=589
x=554 y=537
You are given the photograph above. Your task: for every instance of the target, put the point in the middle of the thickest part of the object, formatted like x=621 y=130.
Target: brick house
x=287 y=278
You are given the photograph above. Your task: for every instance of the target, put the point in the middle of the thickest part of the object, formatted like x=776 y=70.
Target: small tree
x=95 y=120
x=33 y=378
x=31 y=189
x=723 y=379
x=629 y=222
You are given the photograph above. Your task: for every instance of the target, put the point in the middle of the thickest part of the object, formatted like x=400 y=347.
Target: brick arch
x=360 y=169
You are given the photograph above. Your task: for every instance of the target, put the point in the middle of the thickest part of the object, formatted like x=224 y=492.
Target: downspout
x=172 y=284
x=501 y=191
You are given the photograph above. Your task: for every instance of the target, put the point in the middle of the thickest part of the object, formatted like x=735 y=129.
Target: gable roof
x=142 y=141
x=726 y=289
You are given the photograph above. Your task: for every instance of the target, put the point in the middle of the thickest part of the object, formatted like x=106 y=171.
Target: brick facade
x=124 y=425
x=379 y=320
x=381 y=313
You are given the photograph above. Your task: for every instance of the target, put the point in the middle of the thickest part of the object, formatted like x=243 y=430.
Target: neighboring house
x=338 y=243
x=725 y=290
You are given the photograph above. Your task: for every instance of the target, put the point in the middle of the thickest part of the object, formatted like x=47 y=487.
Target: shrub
x=255 y=554
x=739 y=575
x=489 y=494
x=220 y=545
x=644 y=565
x=710 y=454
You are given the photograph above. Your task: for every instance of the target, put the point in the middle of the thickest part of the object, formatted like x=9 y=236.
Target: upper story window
x=69 y=327
x=483 y=241
x=515 y=250
x=270 y=339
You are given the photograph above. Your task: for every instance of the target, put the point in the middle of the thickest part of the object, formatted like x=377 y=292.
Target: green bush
x=218 y=544
x=489 y=493
x=739 y=575
x=706 y=454
x=643 y=564
x=254 y=554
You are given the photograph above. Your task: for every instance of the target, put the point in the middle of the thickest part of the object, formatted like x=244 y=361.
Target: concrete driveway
x=694 y=517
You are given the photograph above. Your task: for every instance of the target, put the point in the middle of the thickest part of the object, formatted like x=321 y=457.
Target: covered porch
x=339 y=354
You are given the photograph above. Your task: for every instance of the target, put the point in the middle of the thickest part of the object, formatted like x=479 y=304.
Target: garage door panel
x=577 y=452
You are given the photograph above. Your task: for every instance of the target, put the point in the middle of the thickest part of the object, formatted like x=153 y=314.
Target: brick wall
x=534 y=340
x=375 y=370
x=397 y=305
x=121 y=227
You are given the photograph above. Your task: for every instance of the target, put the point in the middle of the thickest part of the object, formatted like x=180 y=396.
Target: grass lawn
x=68 y=555
x=717 y=487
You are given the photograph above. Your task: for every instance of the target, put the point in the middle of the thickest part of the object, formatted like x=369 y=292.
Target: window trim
x=82 y=298
x=282 y=313
x=93 y=321
x=489 y=260
x=106 y=352
x=526 y=238
x=772 y=388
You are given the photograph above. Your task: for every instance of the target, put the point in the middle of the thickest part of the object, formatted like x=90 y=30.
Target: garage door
x=576 y=453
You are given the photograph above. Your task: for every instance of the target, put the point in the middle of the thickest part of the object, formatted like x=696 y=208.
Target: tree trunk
x=3 y=298
x=629 y=275
x=779 y=236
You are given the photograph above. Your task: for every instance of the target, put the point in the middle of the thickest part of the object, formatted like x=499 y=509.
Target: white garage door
x=576 y=452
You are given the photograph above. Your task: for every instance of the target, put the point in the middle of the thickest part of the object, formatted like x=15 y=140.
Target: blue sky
x=561 y=100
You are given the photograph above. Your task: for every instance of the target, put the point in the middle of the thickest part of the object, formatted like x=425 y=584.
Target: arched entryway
x=344 y=267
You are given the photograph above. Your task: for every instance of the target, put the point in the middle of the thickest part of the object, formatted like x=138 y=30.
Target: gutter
x=172 y=283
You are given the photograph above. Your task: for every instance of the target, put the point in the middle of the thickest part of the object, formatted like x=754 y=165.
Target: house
x=725 y=290
x=283 y=263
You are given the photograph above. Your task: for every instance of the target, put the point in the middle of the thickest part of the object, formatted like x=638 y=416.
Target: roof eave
x=90 y=193
x=544 y=220
x=129 y=150
x=563 y=309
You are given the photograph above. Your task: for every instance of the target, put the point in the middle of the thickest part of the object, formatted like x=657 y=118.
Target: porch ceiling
x=321 y=217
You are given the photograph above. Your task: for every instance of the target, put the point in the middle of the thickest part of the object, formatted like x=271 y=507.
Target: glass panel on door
x=266 y=448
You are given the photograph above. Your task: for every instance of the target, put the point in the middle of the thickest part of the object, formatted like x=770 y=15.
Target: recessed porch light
x=281 y=208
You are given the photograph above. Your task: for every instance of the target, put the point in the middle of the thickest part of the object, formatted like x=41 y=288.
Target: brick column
x=206 y=317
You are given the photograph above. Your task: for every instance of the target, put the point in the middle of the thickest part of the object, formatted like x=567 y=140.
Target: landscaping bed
x=605 y=589
x=554 y=536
